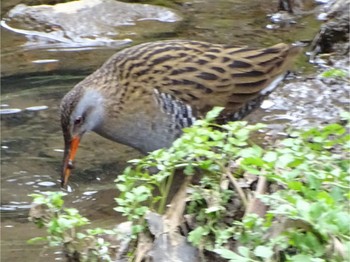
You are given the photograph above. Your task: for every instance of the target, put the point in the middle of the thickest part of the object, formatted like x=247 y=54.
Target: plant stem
x=238 y=188
x=166 y=193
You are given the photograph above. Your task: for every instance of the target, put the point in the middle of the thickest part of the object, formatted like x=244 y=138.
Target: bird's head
x=81 y=111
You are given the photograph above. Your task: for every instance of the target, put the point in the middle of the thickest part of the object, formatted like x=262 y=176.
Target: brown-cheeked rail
x=144 y=95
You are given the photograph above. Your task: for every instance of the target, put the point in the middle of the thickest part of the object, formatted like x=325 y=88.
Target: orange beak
x=68 y=161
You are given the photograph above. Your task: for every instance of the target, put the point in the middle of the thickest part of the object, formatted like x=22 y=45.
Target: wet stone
x=47 y=184
x=37 y=108
x=62 y=23
x=9 y=111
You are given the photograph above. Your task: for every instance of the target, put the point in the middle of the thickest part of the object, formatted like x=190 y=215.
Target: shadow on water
x=31 y=139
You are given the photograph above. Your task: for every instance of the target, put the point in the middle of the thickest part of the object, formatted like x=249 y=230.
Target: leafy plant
x=204 y=147
x=308 y=213
x=62 y=224
x=312 y=171
x=335 y=73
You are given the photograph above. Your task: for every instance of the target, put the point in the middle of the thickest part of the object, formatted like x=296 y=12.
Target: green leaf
x=263 y=252
x=64 y=223
x=57 y=200
x=136 y=229
x=303 y=206
x=244 y=251
x=196 y=235
x=230 y=255
x=71 y=211
x=251 y=152
x=96 y=231
x=189 y=170
x=295 y=185
x=301 y=258
x=121 y=187
x=212 y=114
x=270 y=156
x=36 y=240
x=284 y=160
x=335 y=73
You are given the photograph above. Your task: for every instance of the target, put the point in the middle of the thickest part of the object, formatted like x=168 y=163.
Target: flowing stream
x=31 y=139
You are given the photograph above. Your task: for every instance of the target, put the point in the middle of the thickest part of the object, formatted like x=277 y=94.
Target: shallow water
x=31 y=139
x=31 y=155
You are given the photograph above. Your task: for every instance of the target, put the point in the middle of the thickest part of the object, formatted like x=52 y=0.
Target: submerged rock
x=83 y=23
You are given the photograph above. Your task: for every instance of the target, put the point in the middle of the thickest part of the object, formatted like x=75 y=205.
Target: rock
x=167 y=243
x=76 y=37
x=334 y=33
x=296 y=6
x=82 y=23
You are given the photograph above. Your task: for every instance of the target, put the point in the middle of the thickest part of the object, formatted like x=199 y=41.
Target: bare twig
x=238 y=188
x=256 y=206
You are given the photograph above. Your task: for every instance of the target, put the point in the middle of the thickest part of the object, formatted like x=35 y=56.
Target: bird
x=144 y=95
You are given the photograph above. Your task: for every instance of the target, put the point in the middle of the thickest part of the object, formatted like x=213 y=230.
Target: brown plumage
x=144 y=95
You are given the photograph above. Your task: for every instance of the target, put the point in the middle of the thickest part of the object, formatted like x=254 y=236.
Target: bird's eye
x=78 y=120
